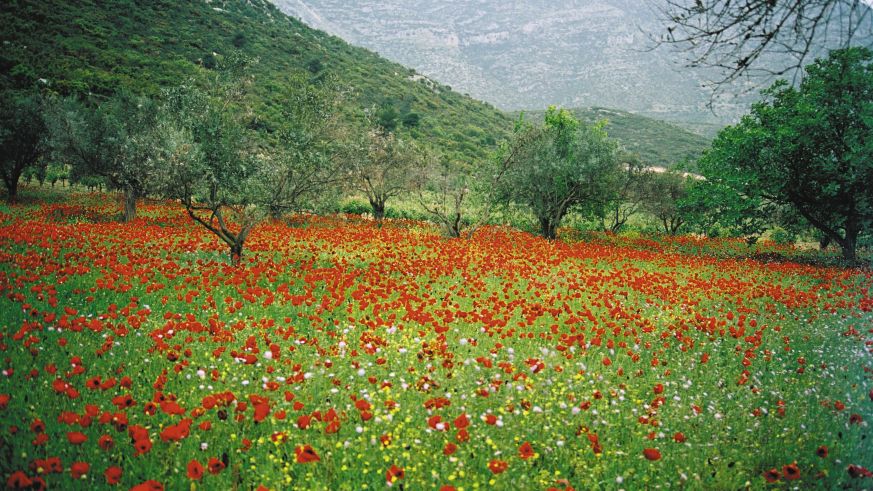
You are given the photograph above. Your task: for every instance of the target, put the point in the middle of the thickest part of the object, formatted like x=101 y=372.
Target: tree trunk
x=275 y=212
x=549 y=228
x=236 y=252
x=12 y=191
x=130 y=196
x=452 y=226
x=824 y=242
x=848 y=245
x=378 y=210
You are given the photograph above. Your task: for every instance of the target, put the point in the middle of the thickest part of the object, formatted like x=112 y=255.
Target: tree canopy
x=118 y=140
x=22 y=129
x=809 y=148
x=557 y=167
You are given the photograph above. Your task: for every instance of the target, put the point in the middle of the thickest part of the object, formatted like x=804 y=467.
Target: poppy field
x=342 y=355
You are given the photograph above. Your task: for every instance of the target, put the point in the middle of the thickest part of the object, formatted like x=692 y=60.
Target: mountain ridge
x=520 y=56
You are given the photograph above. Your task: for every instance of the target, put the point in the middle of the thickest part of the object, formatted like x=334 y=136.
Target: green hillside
x=98 y=46
x=657 y=142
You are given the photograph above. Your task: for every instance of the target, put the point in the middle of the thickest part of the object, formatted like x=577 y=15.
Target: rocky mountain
x=530 y=54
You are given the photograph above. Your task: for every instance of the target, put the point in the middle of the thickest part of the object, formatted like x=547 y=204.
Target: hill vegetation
x=98 y=48
x=80 y=47
x=656 y=142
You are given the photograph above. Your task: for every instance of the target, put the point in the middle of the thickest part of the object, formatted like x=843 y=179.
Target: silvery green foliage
x=118 y=139
x=560 y=166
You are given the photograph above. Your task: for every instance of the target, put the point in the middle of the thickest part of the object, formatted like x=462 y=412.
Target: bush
x=354 y=206
x=781 y=236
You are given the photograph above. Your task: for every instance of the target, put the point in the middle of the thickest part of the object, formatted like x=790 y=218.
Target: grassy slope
x=98 y=47
x=657 y=142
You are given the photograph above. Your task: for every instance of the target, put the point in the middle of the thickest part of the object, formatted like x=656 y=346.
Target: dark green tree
x=810 y=148
x=383 y=167
x=304 y=158
x=626 y=188
x=664 y=195
x=22 y=131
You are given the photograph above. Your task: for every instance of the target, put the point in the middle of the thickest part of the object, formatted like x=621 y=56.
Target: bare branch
x=746 y=39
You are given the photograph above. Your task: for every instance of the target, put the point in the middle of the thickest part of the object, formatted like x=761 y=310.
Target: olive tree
x=228 y=177
x=213 y=168
x=626 y=189
x=458 y=196
x=119 y=140
x=381 y=167
x=664 y=197
x=306 y=154
x=557 y=167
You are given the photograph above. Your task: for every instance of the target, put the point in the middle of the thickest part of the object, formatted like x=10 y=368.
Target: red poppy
x=679 y=437
x=791 y=471
x=37 y=426
x=772 y=475
x=261 y=412
x=19 y=480
x=77 y=437
x=142 y=446
x=463 y=435
x=106 y=442
x=305 y=454
x=436 y=422
x=195 y=470
x=112 y=475
x=150 y=485
x=659 y=388
x=362 y=405
x=449 y=448
x=214 y=465
x=393 y=474
x=177 y=432
x=526 y=451
x=856 y=471
x=822 y=451
x=79 y=469
x=652 y=454
x=596 y=447
x=497 y=466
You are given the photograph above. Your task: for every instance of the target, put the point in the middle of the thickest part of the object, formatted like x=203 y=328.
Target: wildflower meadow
x=344 y=355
